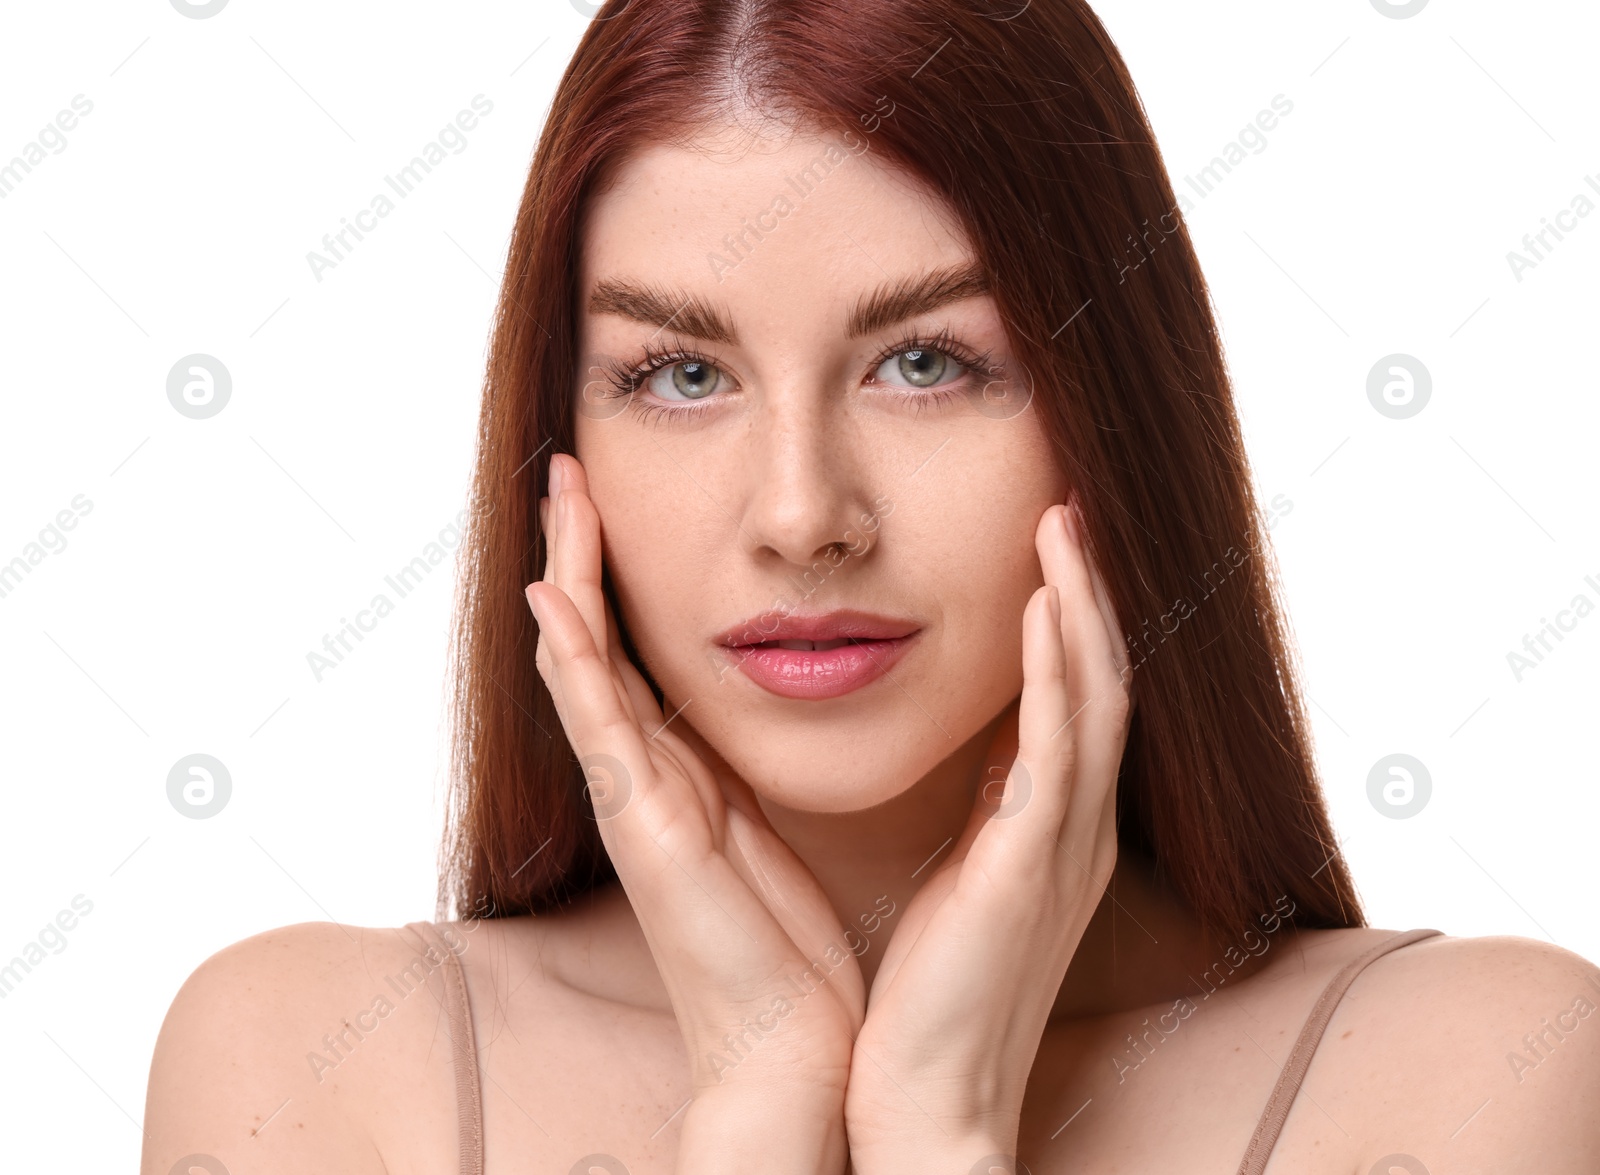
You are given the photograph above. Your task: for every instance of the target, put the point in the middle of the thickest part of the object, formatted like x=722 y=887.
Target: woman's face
x=836 y=447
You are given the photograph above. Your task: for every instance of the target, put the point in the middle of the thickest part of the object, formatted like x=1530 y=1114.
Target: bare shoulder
x=278 y=1050
x=1483 y=1053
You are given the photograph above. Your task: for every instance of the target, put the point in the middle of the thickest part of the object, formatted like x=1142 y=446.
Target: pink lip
x=875 y=643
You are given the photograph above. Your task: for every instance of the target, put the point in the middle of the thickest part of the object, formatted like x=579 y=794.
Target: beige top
x=469 y=1105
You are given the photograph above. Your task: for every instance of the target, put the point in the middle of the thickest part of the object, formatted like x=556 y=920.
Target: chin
x=832 y=780
x=855 y=752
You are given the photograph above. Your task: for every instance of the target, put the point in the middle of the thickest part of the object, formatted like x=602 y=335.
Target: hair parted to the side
x=1021 y=113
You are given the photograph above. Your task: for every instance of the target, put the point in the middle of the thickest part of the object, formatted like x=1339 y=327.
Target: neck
x=1141 y=945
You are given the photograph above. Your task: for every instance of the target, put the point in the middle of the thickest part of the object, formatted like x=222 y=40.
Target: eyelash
x=625 y=380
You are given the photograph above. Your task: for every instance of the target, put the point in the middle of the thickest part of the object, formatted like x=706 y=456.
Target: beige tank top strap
x=464 y=1052
x=1294 y=1070
x=469 y=1108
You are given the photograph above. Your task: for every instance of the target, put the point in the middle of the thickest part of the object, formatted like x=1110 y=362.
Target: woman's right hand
x=733 y=918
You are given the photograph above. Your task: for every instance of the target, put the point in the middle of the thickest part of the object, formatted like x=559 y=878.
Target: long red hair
x=1022 y=114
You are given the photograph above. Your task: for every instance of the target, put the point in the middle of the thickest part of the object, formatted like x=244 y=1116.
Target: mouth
x=804 y=646
x=821 y=656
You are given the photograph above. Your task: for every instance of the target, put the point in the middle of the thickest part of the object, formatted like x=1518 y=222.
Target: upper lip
x=846 y=623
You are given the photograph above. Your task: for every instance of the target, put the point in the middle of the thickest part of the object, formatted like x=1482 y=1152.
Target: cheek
x=977 y=550
x=648 y=536
x=981 y=567
x=978 y=523
x=653 y=570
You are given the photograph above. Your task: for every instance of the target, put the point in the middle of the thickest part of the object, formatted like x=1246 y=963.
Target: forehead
x=734 y=212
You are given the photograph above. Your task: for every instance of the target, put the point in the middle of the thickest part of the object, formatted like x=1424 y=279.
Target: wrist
x=795 y=1130
x=937 y=1156
x=927 y=1127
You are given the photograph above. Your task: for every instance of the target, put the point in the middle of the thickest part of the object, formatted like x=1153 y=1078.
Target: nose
x=806 y=481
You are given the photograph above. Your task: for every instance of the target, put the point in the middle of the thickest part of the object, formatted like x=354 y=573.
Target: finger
x=792 y=895
x=1065 y=566
x=1108 y=613
x=1051 y=821
x=1096 y=684
x=1046 y=744
x=582 y=554
x=1002 y=791
x=590 y=704
x=1110 y=684
x=720 y=786
x=636 y=689
x=1044 y=663
x=1090 y=726
x=544 y=661
x=1098 y=730
x=636 y=807
x=547 y=519
x=578 y=568
x=541 y=651
x=666 y=727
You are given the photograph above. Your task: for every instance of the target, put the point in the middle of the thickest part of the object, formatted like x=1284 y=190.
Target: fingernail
x=527 y=594
x=1055 y=604
x=556 y=477
x=1070 y=524
x=544 y=513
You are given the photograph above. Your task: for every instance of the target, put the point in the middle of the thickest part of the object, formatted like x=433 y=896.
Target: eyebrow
x=910 y=296
x=655 y=306
x=691 y=315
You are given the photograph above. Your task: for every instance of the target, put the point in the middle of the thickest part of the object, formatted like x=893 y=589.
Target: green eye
x=922 y=367
x=691 y=379
x=918 y=367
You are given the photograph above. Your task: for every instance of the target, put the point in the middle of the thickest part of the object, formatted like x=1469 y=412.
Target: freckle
x=1348 y=1032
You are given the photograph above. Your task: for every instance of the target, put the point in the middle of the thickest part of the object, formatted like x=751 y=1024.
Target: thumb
x=734 y=792
x=998 y=758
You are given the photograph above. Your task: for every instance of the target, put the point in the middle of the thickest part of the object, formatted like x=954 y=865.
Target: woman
x=850 y=344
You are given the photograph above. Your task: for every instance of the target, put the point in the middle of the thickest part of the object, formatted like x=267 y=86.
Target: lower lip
x=814 y=674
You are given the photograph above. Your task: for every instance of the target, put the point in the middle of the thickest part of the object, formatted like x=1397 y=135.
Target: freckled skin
x=710 y=520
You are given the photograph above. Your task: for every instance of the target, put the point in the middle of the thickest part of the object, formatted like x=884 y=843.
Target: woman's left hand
x=960 y=1002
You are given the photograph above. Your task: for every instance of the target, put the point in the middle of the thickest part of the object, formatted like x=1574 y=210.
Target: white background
x=217 y=553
